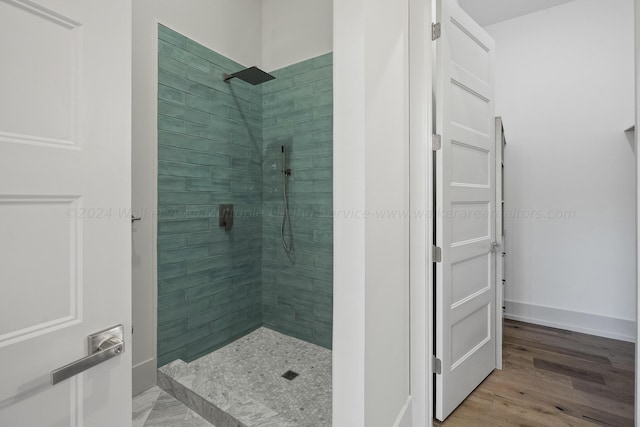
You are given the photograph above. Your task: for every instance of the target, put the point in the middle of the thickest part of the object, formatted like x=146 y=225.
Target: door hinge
x=436 y=254
x=436 y=142
x=436 y=365
x=436 y=31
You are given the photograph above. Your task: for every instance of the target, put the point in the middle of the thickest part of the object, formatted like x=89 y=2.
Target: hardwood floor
x=553 y=377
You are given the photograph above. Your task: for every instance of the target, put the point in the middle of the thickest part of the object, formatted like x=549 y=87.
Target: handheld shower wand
x=288 y=246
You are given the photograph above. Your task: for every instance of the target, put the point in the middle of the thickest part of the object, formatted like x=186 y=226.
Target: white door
x=465 y=202
x=65 y=233
x=499 y=255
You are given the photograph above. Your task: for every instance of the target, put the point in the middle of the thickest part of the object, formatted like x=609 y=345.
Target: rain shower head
x=253 y=75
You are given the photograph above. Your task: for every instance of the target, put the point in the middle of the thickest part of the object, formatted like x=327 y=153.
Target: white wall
x=637 y=180
x=386 y=190
x=371 y=256
x=232 y=28
x=348 y=233
x=295 y=30
x=565 y=89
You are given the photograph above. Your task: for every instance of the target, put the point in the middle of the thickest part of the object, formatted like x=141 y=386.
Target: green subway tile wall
x=297 y=288
x=220 y=143
x=209 y=153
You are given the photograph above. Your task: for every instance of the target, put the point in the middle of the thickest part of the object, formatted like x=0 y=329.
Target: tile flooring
x=155 y=408
x=242 y=384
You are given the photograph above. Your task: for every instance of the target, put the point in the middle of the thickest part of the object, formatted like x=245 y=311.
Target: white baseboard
x=587 y=323
x=404 y=417
x=144 y=376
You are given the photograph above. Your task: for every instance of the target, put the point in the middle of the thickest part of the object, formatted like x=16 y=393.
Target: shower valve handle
x=226 y=217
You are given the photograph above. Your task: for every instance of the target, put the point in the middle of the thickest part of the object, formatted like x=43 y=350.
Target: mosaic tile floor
x=241 y=384
x=155 y=408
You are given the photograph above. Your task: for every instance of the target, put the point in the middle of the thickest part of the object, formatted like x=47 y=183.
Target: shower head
x=253 y=75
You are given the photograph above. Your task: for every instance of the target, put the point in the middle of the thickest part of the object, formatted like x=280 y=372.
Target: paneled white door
x=465 y=203
x=65 y=236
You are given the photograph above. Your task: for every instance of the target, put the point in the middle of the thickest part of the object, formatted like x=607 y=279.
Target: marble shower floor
x=155 y=408
x=241 y=384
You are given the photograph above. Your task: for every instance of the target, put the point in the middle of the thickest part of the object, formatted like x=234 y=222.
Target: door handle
x=103 y=346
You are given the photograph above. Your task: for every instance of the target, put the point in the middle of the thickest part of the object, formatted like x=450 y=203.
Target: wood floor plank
x=553 y=378
x=543 y=389
x=550 y=401
x=569 y=371
x=571 y=353
x=618 y=381
x=598 y=364
x=603 y=391
x=571 y=340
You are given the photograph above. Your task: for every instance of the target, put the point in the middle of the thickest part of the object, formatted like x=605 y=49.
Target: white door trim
x=348 y=375
x=499 y=260
x=154 y=217
x=420 y=202
x=406 y=413
x=637 y=123
x=144 y=373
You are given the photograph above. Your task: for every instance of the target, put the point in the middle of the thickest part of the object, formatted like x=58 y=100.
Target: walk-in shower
x=245 y=236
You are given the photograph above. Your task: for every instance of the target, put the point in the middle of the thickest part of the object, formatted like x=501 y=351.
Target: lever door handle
x=103 y=346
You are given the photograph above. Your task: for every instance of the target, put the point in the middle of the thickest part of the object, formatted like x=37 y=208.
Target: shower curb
x=197 y=403
x=208 y=410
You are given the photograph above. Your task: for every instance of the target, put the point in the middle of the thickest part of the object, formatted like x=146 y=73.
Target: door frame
x=637 y=122
x=499 y=225
x=144 y=374
x=421 y=204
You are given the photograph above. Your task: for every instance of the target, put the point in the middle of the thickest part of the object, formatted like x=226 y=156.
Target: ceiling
x=487 y=12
